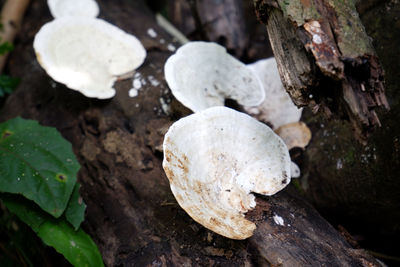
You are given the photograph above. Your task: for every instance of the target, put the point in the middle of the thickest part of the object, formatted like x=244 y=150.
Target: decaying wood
x=131 y=213
x=355 y=185
x=211 y=20
x=231 y=23
x=325 y=58
x=11 y=18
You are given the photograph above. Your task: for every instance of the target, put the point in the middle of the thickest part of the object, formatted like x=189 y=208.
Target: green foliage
x=25 y=210
x=37 y=164
x=75 y=211
x=6 y=47
x=18 y=244
x=7 y=84
x=76 y=246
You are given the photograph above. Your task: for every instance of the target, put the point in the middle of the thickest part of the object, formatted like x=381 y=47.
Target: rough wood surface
x=131 y=213
x=351 y=184
x=347 y=77
x=231 y=23
x=212 y=20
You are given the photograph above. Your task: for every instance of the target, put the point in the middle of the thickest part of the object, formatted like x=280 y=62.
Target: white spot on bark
x=152 y=33
x=339 y=164
x=171 y=47
x=137 y=84
x=164 y=106
x=278 y=220
x=133 y=92
x=153 y=80
x=317 y=39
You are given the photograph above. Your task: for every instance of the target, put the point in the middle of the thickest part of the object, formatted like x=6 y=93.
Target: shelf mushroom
x=202 y=75
x=294 y=170
x=277 y=109
x=295 y=134
x=215 y=159
x=87 y=54
x=77 y=8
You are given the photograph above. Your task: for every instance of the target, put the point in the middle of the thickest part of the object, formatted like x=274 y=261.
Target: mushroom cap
x=202 y=75
x=294 y=170
x=215 y=158
x=296 y=134
x=278 y=108
x=87 y=54
x=77 y=8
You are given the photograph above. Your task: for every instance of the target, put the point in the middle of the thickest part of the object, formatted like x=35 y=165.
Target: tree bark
x=325 y=58
x=131 y=213
x=231 y=23
x=357 y=186
x=351 y=184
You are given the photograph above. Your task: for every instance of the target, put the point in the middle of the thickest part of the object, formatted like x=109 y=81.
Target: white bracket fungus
x=295 y=134
x=215 y=159
x=202 y=75
x=294 y=170
x=277 y=109
x=76 y=8
x=87 y=54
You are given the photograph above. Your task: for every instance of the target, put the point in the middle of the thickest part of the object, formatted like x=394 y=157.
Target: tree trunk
x=351 y=184
x=325 y=58
x=131 y=213
x=231 y=23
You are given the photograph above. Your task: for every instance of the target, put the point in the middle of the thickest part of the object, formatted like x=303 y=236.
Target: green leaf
x=7 y=84
x=6 y=47
x=75 y=212
x=26 y=210
x=76 y=246
x=38 y=163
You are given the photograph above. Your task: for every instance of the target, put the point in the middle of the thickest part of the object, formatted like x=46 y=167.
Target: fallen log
x=131 y=213
x=325 y=58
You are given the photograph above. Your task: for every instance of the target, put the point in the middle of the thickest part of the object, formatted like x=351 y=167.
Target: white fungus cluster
x=231 y=155
x=83 y=52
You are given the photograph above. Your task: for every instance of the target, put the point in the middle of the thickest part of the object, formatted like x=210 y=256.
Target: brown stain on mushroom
x=39 y=58
x=216 y=222
x=168 y=155
x=198 y=187
x=169 y=173
x=183 y=166
x=242 y=205
x=179 y=198
x=182 y=162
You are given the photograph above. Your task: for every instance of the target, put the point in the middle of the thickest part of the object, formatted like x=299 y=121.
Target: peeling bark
x=355 y=185
x=347 y=79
